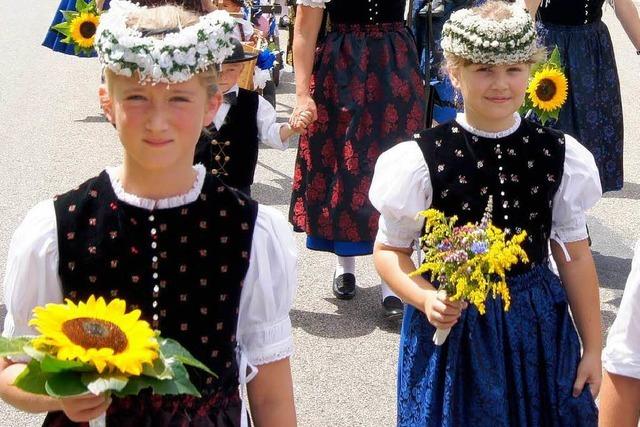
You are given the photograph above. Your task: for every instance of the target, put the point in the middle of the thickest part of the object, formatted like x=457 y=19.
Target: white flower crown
x=175 y=58
x=486 y=41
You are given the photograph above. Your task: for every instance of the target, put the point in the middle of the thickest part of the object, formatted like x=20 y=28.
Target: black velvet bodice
x=522 y=172
x=365 y=11
x=182 y=267
x=571 y=12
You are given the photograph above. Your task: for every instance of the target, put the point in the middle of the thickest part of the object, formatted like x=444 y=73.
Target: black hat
x=239 y=55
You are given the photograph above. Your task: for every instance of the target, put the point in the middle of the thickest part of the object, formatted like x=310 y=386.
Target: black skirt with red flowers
x=369 y=94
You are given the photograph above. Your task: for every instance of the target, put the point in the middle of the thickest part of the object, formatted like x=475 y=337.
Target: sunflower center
x=87 y=29
x=95 y=333
x=546 y=90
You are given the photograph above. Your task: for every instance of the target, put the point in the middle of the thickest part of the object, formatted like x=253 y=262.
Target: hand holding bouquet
x=468 y=262
x=95 y=347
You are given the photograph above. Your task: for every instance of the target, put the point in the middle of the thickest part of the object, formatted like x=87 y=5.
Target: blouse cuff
x=312 y=3
x=625 y=366
x=396 y=235
x=270 y=344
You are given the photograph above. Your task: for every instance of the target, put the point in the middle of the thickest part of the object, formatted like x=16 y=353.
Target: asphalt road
x=54 y=137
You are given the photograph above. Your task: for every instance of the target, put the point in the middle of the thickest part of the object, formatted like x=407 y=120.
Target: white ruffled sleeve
x=313 y=3
x=401 y=188
x=579 y=191
x=621 y=356
x=31 y=278
x=264 y=327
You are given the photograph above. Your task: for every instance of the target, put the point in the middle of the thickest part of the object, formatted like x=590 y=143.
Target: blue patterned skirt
x=500 y=369
x=53 y=39
x=593 y=112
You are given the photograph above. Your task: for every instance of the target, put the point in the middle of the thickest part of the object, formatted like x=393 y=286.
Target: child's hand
x=85 y=408
x=302 y=122
x=589 y=372
x=441 y=311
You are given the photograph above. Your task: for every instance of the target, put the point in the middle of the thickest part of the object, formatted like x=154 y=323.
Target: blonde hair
x=161 y=20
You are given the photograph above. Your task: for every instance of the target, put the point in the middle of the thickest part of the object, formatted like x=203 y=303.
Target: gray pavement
x=53 y=137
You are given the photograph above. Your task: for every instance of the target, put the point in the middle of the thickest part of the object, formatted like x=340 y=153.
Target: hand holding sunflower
x=548 y=89
x=97 y=347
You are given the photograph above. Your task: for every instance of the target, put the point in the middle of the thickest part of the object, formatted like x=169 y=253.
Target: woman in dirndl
x=365 y=90
x=593 y=112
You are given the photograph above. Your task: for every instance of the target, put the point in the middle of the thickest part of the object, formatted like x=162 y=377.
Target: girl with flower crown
x=205 y=265
x=525 y=366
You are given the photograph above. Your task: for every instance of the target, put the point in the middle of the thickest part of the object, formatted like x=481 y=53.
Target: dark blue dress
x=593 y=112
x=500 y=369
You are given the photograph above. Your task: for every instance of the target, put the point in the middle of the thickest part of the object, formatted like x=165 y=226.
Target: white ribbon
x=244 y=378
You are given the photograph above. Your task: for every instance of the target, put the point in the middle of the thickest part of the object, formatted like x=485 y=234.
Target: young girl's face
x=491 y=93
x=229 y=75
x=159 y=125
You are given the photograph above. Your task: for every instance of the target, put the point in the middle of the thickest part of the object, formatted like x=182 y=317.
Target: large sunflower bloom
x=97 y=333
x=548 y=89
x=82 y=29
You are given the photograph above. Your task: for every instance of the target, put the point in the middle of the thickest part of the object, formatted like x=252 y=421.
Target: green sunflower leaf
x=172 y=349
x=53 y=365
x=69 y=15
x=98 y=384
x=555 y=59
x=65 y=384
x=13 y=346
x=160 y=369
x=33 y=353
x=32 y=379
x=180 y=384
x=81 y=5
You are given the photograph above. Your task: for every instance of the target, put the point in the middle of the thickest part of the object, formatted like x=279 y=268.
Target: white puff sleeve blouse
x=401 y=188
x=313 y=3
x=621 y=355
x=264 y=329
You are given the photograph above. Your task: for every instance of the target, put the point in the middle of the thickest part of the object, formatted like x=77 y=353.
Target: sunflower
x=82 y=29
x=96 y=333
x=548 y=89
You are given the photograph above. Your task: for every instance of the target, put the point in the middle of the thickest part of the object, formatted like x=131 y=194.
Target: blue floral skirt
x=500 y=369
x=593 y=112
x=53 y=39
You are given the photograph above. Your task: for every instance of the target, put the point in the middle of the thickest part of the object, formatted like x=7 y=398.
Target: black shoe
x=393 y=307
x=344 y=286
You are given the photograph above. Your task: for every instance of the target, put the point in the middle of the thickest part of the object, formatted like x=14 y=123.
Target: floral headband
x=175 y=58
x=482 y=40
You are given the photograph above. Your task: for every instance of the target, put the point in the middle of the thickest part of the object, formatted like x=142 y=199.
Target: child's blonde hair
x=160 y=21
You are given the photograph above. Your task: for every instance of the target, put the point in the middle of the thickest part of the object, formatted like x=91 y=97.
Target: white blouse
x=264 y=327
x=313 y=3
x=399 y=193
x=621 y=355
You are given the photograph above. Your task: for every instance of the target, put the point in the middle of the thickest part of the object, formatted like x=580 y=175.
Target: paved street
x=54 y=137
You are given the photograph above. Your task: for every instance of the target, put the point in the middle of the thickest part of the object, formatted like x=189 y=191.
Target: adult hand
x=441 y=311
x=304 y=103
x=86 y=407
x=589 y=372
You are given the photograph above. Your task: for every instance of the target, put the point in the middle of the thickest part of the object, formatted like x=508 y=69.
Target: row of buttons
x=154 y=266
x=373 y=12
x=504 y=203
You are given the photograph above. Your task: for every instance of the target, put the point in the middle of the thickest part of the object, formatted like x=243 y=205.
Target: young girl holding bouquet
x=524 y=366
x=206 y=265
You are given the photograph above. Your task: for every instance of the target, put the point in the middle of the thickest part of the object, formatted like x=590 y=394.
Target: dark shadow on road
x=630 y=190
x=612 y=270
x=358 y=317
x=94 y=119
x=270 y=195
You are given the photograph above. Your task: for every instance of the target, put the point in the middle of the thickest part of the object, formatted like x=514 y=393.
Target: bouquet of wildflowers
x=468 y=262
x=95 y=347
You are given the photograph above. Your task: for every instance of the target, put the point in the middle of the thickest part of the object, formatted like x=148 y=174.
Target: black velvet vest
x=182 y=267
x=231 y=152
x=521 y=171
x=365 y=11
x=571 y=12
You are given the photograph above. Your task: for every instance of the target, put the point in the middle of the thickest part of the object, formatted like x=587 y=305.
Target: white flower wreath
x=485 y=41
x=173 y=59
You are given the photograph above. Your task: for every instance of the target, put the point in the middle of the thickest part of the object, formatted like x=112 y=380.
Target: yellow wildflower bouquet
x=79 y=27
x=97 y=347
x=468 y=262
x=548 y=89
